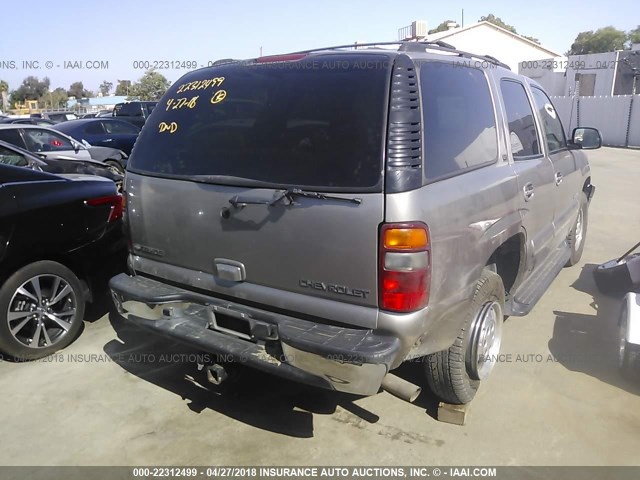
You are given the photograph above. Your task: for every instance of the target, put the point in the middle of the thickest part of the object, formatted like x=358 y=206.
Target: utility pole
x=462 y=23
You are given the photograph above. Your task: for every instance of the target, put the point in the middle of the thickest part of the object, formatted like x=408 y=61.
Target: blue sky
x=121 y=33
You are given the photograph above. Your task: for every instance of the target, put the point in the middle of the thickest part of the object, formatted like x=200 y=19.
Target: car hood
x=104 y=153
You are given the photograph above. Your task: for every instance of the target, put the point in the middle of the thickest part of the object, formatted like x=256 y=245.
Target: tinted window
x=94 y=128
x=522 y=128
x=121 y=127
x=12 y=136
x=9 y=157
x=307 y=123
x=459 y=121
x=45 y=141
x=149 y=108
x=554 y=133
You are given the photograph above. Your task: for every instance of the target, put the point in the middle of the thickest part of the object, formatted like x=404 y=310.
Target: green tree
x=32 y=88
x=634 y=35
x=105 y=88
x=54 y=99
x=77 y=90
x=123 y=87
x=605 y=39
x=151 y=86
x=533 y=39
x=442 y=27
x=491 y=18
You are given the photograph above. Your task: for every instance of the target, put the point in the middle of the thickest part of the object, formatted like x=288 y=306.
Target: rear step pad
x=528 y=294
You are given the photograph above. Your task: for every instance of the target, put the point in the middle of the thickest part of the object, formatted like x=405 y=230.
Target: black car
x=134 y=112
x=16 y=156
x=56 y=232
x=27 y=121
x=103 y=132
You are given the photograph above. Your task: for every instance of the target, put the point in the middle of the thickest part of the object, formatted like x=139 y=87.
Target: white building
x=485 y=38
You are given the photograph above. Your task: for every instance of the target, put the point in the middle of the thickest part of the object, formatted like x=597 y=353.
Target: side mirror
x=586 y=138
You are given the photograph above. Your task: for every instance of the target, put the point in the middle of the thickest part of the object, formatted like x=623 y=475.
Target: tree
x=123 y=87
x=32 y=88
x=605 y=39
x=443 y=27
x=105 y=88
x=151 y=86
x=55 y=99
x=634 y=35
x=77 y=90
x=491 y=18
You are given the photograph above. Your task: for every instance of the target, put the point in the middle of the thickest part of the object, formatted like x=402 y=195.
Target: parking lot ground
x=119 y=396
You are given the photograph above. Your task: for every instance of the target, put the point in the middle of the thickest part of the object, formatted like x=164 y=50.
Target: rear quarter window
x=317 y=122
x=459 y=119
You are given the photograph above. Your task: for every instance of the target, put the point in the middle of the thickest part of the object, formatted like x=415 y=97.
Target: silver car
x=328 y=215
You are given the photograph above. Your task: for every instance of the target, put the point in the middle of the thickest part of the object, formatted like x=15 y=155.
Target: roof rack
x=412 y=46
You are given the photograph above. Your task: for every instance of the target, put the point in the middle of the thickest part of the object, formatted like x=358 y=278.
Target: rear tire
x=454 y=375
x=41 y=310
x=578 y=234
x=613 y=278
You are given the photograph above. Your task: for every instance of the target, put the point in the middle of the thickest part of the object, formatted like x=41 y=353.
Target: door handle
x=558 y=178
x=528 y=191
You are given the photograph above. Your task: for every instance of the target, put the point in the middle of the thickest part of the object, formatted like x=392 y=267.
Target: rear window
x=316 y=122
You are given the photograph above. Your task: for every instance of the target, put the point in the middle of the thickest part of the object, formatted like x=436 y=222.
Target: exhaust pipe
x=216 y=374
x=400 y=388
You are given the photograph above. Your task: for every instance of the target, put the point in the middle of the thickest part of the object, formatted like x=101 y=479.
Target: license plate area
x=236 y=324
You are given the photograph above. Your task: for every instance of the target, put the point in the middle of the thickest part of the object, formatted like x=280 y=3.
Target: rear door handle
x=528 y=191
x=558 y=178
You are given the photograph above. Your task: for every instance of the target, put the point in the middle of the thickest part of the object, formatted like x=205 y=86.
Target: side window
x=94 y=128
x=118 y=127
x=554 y=133
x=523 y=133
x=12 y=136
x=9 y=157
x=459 y=120
x=45 y=141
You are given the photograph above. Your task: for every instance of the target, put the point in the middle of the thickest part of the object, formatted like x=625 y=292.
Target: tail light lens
x=116 y=203
x=405 y=267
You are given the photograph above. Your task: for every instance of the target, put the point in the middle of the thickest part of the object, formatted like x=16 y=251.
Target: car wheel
x=578 y=233
x=115 y=167
x=613 y=277
x=626 y=355
x=41 y=310
x=454 y=375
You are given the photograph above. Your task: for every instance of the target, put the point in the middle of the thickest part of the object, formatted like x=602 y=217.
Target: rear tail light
x=114 y=201
x=405 y=267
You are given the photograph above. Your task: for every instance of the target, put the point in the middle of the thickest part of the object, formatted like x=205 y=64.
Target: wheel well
x=75 y=266
x=507 y=261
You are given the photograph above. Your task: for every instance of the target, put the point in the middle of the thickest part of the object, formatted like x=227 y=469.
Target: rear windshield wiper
x=240 y=201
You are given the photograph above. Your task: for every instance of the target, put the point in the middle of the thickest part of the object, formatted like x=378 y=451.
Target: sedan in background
x=105 y=132
x=27 y=121
x=51 y=143
x=61 y=235
x=18 y=157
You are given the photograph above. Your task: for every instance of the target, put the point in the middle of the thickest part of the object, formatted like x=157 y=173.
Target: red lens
x=405 y=278
x=116 y=203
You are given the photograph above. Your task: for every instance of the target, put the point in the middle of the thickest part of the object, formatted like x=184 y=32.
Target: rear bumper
x=327 y=356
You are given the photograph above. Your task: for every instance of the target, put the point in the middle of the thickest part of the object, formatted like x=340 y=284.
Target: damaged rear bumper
x=327 y=356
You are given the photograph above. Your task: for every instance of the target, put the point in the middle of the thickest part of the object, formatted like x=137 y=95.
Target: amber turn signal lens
x=405 y=238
